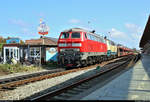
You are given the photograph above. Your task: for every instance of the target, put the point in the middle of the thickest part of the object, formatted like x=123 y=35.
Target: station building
x=145 y=40
x=41 y=50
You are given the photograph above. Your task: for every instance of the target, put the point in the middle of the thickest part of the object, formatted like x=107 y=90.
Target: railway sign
x=43 y=28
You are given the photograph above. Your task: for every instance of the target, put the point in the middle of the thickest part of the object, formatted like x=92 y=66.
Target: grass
x=9 y=68
x=50 y=65
x=1 y=45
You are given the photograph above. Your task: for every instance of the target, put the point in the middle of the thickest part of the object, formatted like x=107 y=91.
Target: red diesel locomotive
x=78 y=47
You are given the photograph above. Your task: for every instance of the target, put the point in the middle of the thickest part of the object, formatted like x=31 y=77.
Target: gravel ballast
x=33 y=89
x=21 y=73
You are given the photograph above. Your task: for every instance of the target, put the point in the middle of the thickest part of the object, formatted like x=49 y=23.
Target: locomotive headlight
x=62 y=45
x=76 y=44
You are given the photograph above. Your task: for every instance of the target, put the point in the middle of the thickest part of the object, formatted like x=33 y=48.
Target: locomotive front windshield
x=64 y=35
x=75 y=35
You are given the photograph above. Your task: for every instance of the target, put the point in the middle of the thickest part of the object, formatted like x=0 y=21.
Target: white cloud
x=74 y=21
x=136 y=36
x=135 y=31
x=117 y=34
x=18 y=22
x=25 y=30
x=133 y=28
x=28 y=32
x=41 y=14
x=121 y=38
x=131 y=37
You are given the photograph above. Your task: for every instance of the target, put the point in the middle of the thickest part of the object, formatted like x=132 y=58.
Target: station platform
x=134 y=84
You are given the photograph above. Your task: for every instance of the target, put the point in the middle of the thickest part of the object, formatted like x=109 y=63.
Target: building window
x=35 y=52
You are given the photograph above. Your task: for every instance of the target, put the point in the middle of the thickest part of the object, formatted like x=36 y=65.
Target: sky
x=122 y=21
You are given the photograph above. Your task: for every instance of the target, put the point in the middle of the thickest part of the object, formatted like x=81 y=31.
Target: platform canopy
x=146 y=35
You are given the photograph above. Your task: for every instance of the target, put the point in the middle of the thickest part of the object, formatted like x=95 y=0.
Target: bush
x=17 y=68
x=51 y=64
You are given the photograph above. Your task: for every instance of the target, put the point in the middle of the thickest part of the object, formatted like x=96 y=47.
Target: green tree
x=2 y=41
x=21 y=42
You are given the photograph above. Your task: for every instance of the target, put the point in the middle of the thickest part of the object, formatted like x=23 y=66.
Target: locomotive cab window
x=64 y=36
x=75 y=35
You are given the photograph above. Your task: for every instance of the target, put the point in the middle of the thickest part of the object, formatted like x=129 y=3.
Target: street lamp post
x=43 y=29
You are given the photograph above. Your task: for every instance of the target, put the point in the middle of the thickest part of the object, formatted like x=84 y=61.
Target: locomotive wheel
x=94 y=62
x=104 y=58
x=98 y=60
x=78 y=64
x=90 y=62
x=84 y=63
x=87 y=61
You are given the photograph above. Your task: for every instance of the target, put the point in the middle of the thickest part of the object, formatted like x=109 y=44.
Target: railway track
x=9 y=83
x=12 y=83
x=84 y=84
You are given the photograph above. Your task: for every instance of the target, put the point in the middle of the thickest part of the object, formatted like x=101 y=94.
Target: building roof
x=26 y=45
x=46 y=40
x=11 y=45
x=13 y=38
x=146 y=35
